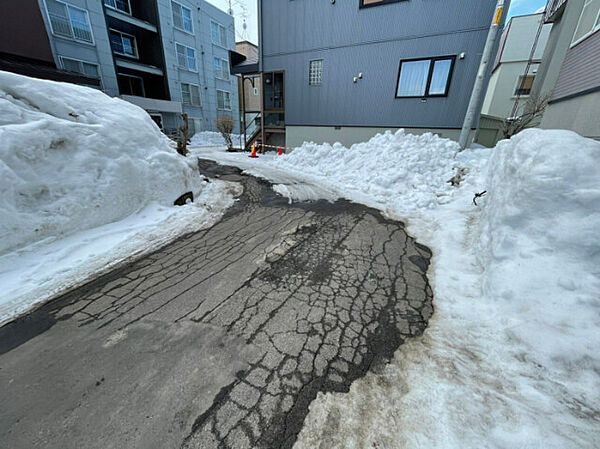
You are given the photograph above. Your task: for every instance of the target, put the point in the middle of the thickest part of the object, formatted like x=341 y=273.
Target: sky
x=520 y=7
x=247 y=8
x=242 y=8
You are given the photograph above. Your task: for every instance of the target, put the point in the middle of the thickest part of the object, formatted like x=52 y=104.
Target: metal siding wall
x=581 y=69
x=299 y=30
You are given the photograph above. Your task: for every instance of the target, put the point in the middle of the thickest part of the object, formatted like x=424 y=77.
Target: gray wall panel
x=581 y=69
x=372 y=41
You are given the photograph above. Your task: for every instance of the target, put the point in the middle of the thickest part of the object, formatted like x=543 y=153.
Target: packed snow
x=510 y=357
x=86 y=181
x=214 y=139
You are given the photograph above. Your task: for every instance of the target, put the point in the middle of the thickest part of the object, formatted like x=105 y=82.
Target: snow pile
x=387 y=167
x=540 y=247
x=213 y=139
x=72 y=158
x=86 y=182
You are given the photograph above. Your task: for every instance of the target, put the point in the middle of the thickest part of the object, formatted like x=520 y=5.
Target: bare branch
x=225 y=125
x=533 y=109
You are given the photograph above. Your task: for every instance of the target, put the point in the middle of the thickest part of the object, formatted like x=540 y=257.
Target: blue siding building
x=345 y=70
x=166 y=56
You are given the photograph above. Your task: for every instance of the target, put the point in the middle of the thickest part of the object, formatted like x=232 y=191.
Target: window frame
x=114 y=8
x=519 y=83
x=72 y=37
x=223 y=109
x=135 y=46
x=362 y=5
x=452 y=58
x=127 y=75
x=219 y=26
x=310 y=61
x=191 y=103
x=182 y=20
x=595 y=27
x=81 y=62
x=187 y=62
x=224 y=64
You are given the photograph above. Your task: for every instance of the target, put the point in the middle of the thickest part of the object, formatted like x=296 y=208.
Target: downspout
x=206 y=94
x=260 y=36
x=260 y=70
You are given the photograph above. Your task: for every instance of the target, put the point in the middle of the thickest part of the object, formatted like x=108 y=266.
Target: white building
x=508 y=76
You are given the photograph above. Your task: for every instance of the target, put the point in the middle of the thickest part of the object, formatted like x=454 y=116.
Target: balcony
x=152 y=104
x=131 y=20
x=139 y=13
x=554 y=10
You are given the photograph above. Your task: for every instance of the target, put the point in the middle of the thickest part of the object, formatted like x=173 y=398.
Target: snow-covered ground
x=510 y=357
x=82 y=188
x=213 y=139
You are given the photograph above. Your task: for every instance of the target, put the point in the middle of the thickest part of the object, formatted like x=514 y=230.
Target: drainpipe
x=479 y=81
x=260 y=36
x=260 y=70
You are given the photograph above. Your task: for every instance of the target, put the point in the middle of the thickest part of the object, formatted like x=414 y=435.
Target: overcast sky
x=248 y=8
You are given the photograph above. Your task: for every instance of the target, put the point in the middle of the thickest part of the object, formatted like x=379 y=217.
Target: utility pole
x=483 y=66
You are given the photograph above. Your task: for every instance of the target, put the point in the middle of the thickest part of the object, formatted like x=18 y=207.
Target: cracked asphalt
x=220 y=339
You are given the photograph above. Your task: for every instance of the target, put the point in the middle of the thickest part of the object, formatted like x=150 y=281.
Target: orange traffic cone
x=254 y=151
x=280 y=151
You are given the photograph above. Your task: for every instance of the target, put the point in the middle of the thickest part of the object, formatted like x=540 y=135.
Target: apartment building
x=346 y=70
x=515 y=67
x=25 y=47
x=165 y=56
x=570 y=70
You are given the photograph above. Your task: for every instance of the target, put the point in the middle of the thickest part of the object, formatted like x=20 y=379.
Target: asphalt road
x=220 y=339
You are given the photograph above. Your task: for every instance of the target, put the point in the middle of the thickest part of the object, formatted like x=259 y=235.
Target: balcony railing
x=552 y=9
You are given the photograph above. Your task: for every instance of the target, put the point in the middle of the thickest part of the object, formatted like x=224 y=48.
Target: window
x=85 y=68
x=589 y=21
x=182 y=17
x=186 y=57
x=315 y=72
x=424 y=77
x=69 y=21
x=222 y=69
x=223 y=100
x=131 y=85
x=195 y=125
x=120 y=5
x=524 y=85
x=218 y=34
x=123 y=43
x=367 y=3
x=190 y=94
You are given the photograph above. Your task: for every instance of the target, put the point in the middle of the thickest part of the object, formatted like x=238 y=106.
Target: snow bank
x=540 y=247
x=213 y=139
x=510 y=357
x=72 y=158
x=34 y=273
x=389 y=166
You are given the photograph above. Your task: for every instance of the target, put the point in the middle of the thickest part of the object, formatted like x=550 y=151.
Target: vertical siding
x=372 y=41
x=581 y=68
